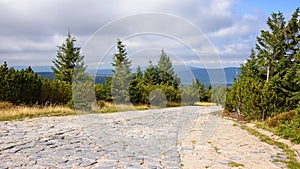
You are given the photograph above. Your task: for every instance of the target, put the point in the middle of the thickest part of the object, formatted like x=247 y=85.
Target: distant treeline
x=28 y=88
x=199 y=73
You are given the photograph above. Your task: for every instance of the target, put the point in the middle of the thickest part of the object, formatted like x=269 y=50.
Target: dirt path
x=228 y=145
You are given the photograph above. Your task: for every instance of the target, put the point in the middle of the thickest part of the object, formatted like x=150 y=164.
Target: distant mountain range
x=186 y=74
x=223 y=77
x=36 y=68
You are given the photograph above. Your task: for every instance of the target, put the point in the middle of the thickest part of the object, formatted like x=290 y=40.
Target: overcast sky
x=31 y=29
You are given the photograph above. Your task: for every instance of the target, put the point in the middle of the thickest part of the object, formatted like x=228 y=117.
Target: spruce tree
x=269 y=82
x=121 y=75
x=166 y=74
x=139 y=73
x=150 y=75
x=289 y=74
x=136 y=87
x=271 y=45
x=3 y=82
x=68 y=57
x=251 y=68
x=191 y=94
x=292 y=35
x=207 y=94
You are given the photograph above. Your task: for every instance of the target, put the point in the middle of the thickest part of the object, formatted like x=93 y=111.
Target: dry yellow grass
x=9 y=111
x=110 y=107
x=19 y=112
x=205 y=104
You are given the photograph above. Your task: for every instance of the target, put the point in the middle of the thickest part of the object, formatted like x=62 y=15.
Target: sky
x=200 y=33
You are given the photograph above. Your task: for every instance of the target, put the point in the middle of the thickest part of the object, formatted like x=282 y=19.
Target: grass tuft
x=234 y=164
x=217 y=149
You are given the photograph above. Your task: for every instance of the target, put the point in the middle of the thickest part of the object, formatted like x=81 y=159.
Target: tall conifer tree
x=68 y=57
x=121 y=75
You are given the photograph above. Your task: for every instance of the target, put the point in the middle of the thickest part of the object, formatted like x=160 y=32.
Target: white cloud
x=36 y=27
x=234 y=49
x=233 y=30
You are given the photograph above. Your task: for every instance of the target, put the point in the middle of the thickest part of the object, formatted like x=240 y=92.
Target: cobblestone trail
x=160 y=138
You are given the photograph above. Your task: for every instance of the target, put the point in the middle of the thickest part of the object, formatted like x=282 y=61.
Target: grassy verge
x=285 y=125
x=9 y=111
x=20 y=112
x=12 y=112
x=292 y=162
x=264 y=126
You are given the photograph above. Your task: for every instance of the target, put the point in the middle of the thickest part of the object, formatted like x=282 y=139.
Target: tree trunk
x=268 y=72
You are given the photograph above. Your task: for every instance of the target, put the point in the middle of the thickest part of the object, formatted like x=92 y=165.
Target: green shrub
x=80 y=103
x=282 y=118
x=290 y=130
x=286 y=125
x=70 y=104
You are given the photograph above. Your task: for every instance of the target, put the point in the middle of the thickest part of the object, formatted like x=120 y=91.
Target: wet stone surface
x=136 y=139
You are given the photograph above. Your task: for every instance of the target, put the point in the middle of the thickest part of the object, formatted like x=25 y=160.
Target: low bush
x=286 y=125
x=5 y=105
x=282 y=118
x=290 y=130
x=101 y=103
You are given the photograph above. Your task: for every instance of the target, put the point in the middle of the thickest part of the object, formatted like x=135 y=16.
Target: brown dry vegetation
x=10 y=112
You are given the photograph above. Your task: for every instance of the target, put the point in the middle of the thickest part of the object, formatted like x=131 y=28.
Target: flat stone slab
x=182 y=137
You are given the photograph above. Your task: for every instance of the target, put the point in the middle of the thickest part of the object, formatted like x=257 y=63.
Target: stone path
x=294 y=147
x=229 y=143
x=184 y=137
